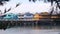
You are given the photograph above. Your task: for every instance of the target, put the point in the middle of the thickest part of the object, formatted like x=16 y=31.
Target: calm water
x=32 y=30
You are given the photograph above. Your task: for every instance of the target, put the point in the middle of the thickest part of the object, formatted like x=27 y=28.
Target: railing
x=16 y=19
x=41 y=19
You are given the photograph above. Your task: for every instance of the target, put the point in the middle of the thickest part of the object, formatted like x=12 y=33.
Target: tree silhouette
x=56 y=1
x=1 y=1
x=32 y=0
x=17 y=4
x=29 y=0
x=7 y=10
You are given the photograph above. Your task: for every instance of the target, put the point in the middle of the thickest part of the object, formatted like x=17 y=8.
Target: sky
x=26 y=6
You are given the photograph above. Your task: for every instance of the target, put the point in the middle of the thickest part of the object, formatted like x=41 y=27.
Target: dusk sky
x=26 y=6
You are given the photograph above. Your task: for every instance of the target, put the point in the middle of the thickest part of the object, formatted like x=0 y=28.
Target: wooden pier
x=6 y=23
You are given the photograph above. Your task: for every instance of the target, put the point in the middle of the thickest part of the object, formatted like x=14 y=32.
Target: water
x=32 y=30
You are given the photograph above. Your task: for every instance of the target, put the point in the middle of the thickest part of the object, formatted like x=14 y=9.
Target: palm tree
x=1 y=1
x=17 y=4
x=29 y=0
x=5 y=11
x=56 y=1
x=32 y=0
x=57 y=6
x=51 y=8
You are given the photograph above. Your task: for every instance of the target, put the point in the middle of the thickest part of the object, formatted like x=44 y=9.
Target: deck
x=4 y=23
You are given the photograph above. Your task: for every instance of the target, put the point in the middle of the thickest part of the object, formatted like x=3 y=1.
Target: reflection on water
x=39 y=27
x=36 y=26
x=32 y=30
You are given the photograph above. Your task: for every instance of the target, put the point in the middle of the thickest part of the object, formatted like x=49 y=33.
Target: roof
x=28 y=14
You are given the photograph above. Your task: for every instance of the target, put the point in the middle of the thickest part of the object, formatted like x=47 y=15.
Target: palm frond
x=5 y=10
x=17 y=4
x=1 y=3
x=33 y=0
x=9 y=9
x=29 y=0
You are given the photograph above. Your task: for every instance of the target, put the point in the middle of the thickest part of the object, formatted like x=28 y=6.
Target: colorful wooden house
x=11 y=16
x=37 y=16
x=20 y=16
x=28 y=15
